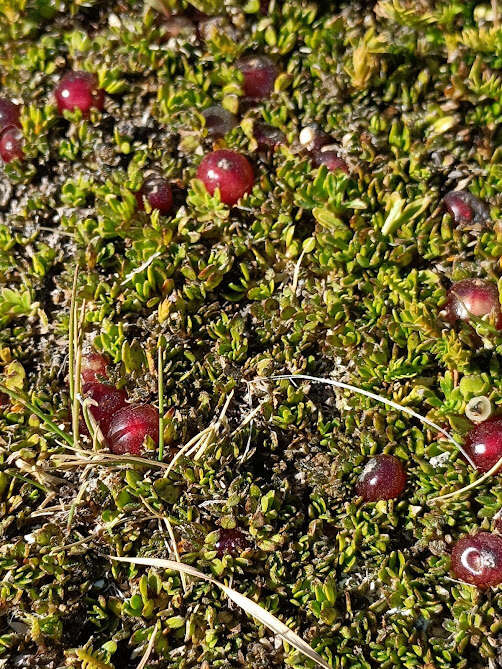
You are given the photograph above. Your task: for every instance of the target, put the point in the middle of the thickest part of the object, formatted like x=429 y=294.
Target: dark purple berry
x=231 y=542
x=79 y=90
x=129 y=427
x=477 y=559
x=219 y=121
x=383 y=477
x=9 y=114
x=331 y=159
x=229 y=171
x=259 y=74
x=11 y=144
x=267 y=137
x=464 y=207
x=473 y=297
x=484 y=443
x=157 y=191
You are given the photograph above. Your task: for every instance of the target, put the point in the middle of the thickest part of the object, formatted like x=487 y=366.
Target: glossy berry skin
x=79 y=90
x=129 y=427
x=93 y=366
x=477 y=559
x=9 y=114
x=383 y=477
x=330 y=159
x=229 y=171
x=109 y=400
x=11 y=145
x=219 y=121
x=231 y=542
x=259 y=74
x=268 y=137
x=157 y=191
x=473 y=297
x=483 y=443
x=464 y=207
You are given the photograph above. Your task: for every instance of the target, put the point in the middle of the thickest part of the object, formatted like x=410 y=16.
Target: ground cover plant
x=198 y=201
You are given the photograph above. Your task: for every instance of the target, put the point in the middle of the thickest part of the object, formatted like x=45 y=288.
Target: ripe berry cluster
x=124 y=426
x=476 y=559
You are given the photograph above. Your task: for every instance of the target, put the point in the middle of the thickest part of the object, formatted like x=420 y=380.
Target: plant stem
x=160 y=378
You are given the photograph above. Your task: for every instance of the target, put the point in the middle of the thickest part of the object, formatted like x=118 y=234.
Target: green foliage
x=328 y=274
x=14 y=304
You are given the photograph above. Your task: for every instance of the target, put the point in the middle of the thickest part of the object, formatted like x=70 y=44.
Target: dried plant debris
x=351 y=185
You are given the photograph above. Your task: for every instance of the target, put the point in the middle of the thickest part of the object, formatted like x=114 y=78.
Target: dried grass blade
x=149 y=648
x=72 y=348
x=174 y=545
x=160 y=379
x=71 y=336
x=101 y=458
x=251 y=608
x=77 y=384
x=472 y=485
x=378 y=398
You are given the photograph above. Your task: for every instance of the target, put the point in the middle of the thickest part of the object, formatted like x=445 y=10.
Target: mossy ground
x=411 y=92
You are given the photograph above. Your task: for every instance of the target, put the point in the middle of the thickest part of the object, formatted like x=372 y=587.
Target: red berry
x=219 y=121
x=473 y=297
x=331 y=159
x=93 y=365
x=484 y=443
x=383 y=477
x=9 y=114
x=157 y=192
x=259 y=74
x=11 y=144
x=129 y=427
x=267 y=136
x=109 y=400
x=229 y=171
x=477 y=559
x=464 y=207
x=79 y=90
x=231 y=542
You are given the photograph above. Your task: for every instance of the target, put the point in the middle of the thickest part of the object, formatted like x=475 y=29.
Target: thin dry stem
x=378 y=398
x=174 y=545
x=472 y=485
x=149 y=648
x=101 y=458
